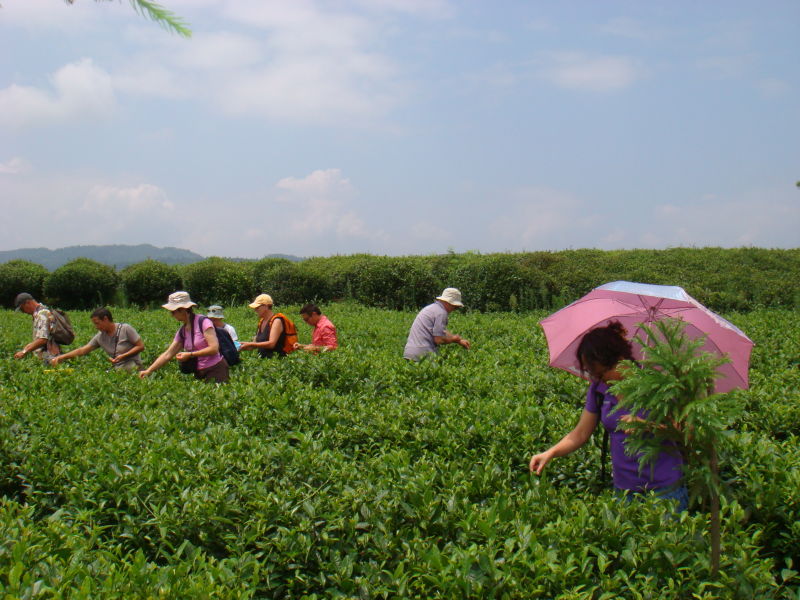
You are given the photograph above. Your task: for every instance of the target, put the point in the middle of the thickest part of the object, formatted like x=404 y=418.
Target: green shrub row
x=724 y=279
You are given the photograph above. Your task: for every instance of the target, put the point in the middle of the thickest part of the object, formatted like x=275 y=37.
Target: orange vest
x=289 y=332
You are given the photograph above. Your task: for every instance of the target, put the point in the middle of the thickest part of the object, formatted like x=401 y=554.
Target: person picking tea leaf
x=599 y=354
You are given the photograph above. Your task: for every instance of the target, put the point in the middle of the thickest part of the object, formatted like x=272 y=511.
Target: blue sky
x=400 y=126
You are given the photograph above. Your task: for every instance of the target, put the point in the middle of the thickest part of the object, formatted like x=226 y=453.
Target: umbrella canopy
x=634 y=303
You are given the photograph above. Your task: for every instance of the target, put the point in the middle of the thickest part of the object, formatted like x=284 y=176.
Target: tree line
x=724 y=279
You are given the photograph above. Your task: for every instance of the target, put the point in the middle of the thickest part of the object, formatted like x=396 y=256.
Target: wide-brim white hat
x=179 y=300
x=451 y=296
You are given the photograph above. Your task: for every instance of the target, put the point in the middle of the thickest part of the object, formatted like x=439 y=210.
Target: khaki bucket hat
x=451 y=296
x=179 y=300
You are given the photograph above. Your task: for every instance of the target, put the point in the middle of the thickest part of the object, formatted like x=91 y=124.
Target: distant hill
x=119 y=256
x=290 y=257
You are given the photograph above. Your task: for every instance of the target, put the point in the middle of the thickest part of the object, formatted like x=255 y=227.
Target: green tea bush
x=354 y=474
x=723 y=279
x=150 y=282
x=496 y=282
x=38 y=560
x=262 y=271
x=21 y=276
x=216 y=280
x=291 y=283
x=394 y=283
x=81 y=283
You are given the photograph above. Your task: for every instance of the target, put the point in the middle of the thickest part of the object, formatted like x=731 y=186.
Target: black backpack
x=226 y=347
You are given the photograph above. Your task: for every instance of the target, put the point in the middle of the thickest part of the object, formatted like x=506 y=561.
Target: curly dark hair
x=605 y=346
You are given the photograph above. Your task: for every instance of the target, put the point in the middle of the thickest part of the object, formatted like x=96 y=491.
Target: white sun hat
x=179 y=300
x=451 y=296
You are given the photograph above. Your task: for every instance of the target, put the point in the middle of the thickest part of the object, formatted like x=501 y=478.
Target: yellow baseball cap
x=261 y=300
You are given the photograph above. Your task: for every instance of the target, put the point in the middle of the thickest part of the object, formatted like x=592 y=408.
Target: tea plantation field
x=356 y=475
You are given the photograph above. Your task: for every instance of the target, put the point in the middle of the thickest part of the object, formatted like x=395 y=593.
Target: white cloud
x=437 y=9
x=766 y=218
x=303 y=61
x=428 y=232
x=578 y=71
x=549 y=219
x=80 y=90
x=15 y=166
x=219 y=50
x=39 y=14
x=142 y=199
x=147 y=79
x=542 y=218
x=315 y=65
x=323 y=200
x=55 y=210
x=321 y=189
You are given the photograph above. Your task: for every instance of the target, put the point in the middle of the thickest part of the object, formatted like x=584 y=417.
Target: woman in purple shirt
x=195 y=339
x=599 y=354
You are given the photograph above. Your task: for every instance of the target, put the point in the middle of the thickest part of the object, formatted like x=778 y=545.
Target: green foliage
x=162 y=16
x=39 y=560
x=673 y=385
x=81 y=283
x=149 y=282
x=386 y=282
x=498 y=282
x=354 y=474
x=288 y=283
x=218 y=281
x=20 y=276
x=723 y=279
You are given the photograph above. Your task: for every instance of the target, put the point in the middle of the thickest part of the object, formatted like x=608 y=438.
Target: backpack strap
x=600 y=398
x=192 y=320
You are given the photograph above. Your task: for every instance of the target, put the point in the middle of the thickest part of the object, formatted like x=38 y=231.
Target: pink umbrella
x=634 y=303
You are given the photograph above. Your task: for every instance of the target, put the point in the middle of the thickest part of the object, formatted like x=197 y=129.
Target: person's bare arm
x=163 y=358
x=82 y=351
x=275 y=332
x=450 y=338
x=34 y=345
x=569 y=443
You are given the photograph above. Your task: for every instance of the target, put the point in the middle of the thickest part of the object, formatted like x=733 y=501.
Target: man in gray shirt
x=428 y=330
x=120 y=341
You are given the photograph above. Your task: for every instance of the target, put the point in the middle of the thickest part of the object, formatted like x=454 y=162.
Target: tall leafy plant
x=673 y=385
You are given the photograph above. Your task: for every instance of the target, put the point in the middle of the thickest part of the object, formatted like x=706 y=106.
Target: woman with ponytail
x=599 y=355
x=195 y=345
